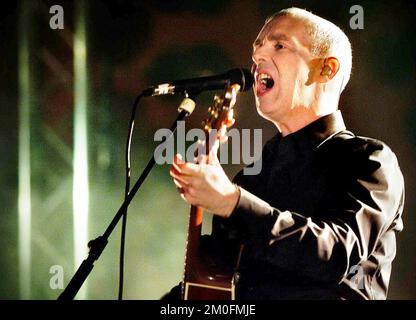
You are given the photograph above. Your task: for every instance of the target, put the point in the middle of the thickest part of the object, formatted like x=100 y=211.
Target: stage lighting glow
x=80 y=184
x=24 y=196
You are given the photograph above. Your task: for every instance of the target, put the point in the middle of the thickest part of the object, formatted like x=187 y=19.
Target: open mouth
x=264 y=83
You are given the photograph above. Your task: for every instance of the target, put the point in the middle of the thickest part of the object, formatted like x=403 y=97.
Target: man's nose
x=259 y=55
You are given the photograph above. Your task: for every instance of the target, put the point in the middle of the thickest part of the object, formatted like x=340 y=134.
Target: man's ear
x=322 y=70
x=329 y=69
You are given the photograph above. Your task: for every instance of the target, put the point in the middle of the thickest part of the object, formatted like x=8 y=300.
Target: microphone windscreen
x=241 y=76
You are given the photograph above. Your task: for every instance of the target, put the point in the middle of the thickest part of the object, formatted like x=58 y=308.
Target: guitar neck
x=194 y=230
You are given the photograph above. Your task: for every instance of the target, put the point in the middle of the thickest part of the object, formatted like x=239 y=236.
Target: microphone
x=240 y=76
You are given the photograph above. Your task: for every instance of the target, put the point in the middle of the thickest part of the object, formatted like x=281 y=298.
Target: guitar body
x=205 y=277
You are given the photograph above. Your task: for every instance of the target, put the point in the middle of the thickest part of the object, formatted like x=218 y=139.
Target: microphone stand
x=98 y=245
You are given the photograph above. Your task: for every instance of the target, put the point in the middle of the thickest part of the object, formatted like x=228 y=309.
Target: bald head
x=326 y=39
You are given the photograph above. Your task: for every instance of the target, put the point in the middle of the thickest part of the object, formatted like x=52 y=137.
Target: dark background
x=131 y=45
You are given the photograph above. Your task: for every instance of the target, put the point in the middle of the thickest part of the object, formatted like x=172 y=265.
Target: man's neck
x=298 y=120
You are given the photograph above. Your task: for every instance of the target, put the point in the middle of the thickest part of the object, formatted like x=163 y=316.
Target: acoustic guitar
x=204 y=278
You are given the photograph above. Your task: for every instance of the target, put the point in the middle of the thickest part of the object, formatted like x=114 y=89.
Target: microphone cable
x=126 y=193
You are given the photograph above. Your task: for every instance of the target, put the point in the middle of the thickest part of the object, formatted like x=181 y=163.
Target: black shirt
x=319 y=220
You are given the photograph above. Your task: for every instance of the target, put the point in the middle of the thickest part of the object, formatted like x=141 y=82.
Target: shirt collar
x=309 y=137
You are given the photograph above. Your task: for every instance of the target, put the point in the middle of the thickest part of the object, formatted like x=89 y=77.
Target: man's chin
x=264 y=108
x=264 y=112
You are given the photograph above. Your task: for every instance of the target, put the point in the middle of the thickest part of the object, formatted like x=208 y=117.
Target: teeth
x=266 y=80
x=263 y=76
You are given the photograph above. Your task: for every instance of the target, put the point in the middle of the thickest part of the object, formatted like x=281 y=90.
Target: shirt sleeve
x=346 y=232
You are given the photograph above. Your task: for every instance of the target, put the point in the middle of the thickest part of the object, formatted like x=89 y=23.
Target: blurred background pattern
x=65 y=102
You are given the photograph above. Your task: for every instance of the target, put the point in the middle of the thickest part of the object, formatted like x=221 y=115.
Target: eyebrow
x=273 y=37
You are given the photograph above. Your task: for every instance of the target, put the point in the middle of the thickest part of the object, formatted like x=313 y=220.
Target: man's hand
x=205 y=185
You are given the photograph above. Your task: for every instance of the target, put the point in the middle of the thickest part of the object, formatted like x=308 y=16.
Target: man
x=319 y=221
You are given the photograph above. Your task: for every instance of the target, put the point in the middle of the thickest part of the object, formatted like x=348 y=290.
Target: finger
x=177 y=162
x=188 y=198
x=190 y=169
x=202 y=159
x=181 y=179
x=215 y=145
x=179 y=159
x=179 y=184
x=176 y=172
x=223 y=139
x=185 y=168
x=176 y=167
x=213 y=158
x=183 y=196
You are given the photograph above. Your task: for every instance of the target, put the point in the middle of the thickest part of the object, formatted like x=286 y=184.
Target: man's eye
x=279 y=46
